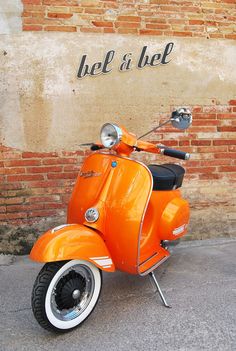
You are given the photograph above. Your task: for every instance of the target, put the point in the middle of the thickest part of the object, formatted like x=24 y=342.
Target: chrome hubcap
x=72 y=292
x=76 y=294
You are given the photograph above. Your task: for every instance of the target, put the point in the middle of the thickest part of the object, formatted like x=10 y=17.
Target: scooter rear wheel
x=65 y=294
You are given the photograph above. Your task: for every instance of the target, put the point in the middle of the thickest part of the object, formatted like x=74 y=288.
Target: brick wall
x=37 y=186
x=210 y=19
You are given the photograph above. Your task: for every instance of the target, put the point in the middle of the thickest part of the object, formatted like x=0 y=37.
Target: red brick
x=205 y=115
x=34 y=8
x=90 y=30
x=232 y=102
x=102 y=24
x=66 y=175
x=11 y=155
x=71 y=168
x=38 y=154
x=45 y=184
x=43 y=199
x=218 y=162
x=205 y=122
x=225 y=155
x=201 y=169
x=31 y=27
x=157 y=26
x=200 y=142
x=230 y=36
x=150 y=32
x=56 y=161
x=60 y=2
x=16 y=215
x=109 y=30
x=3 y=216
x=211 y=149
x=32 y=2
x=60 y=28
x=127 y=24
x=224 y=142
x=94 y=11
x=20 y=163
x=170 y=142
x=226 y=129
x=196 y=22
x=59 y=15
x=226 y=115
x=183 y=34
x=227 y=169
x=44 y=169
x=17 y=170
x=14 y=200
x=184 y=143
x=129 y=18
x=23 y=178
x=2 y=209
x=24 y=207
x=42 y=213
x=208 y=176
x=155 y=20
x=232 y=148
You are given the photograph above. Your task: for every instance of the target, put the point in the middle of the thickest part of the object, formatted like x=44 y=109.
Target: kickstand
x=152 y=276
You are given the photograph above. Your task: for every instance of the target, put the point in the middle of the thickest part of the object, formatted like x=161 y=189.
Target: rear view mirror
x=181 y=118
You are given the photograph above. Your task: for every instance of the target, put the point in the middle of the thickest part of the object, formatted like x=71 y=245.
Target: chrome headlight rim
x=118 y=132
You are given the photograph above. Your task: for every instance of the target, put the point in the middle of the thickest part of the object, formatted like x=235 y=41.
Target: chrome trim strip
x=148 y=259
x=55 y=229
x=155 y=266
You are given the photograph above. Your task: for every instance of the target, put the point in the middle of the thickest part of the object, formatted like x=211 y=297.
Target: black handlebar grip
x=175 y=153
x=95 y=147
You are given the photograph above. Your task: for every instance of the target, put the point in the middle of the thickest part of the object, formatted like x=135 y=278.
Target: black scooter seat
x=168 y=176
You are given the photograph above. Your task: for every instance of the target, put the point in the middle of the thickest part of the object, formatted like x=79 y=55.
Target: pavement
x=198 y=280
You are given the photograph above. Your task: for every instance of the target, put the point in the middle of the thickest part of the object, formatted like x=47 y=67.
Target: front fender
x=72 y=241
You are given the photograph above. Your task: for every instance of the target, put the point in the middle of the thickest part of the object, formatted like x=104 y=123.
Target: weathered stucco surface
x=10 y=16
x=44 y=106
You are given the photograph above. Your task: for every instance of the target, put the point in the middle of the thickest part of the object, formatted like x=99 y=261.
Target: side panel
x=125 y=208
x=72 y=242
x=166 y=218
x=119 y=188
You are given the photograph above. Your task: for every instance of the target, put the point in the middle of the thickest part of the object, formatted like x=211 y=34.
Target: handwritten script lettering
x=127 y=63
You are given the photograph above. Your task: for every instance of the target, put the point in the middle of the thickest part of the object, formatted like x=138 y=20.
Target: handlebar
x=95 y=147
x=148 y=147
x=175 y=153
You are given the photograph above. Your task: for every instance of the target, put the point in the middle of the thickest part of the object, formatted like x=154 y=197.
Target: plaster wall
x=44 y=106
x=10 y=16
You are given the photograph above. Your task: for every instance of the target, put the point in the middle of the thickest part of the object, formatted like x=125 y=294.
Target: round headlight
x=110 y=135
x=91 y=215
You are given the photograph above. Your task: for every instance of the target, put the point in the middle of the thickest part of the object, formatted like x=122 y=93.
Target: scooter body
x=133 y=218
x=120 y=214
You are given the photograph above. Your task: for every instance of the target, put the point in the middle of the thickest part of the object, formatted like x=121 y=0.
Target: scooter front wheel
x=65 y=293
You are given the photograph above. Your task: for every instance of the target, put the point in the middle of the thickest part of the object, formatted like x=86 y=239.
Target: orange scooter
x=122 y=215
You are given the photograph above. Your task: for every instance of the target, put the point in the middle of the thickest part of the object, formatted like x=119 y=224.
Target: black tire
x=40 y=290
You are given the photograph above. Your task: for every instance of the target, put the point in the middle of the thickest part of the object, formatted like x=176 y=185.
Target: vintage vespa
x=122 y=216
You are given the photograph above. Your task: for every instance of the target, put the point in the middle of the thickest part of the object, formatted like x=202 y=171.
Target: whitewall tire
x=65 y=293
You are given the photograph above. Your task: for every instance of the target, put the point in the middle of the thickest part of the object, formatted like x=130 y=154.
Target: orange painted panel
x=166 y=218
x=120 y=194
x=72 y=242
